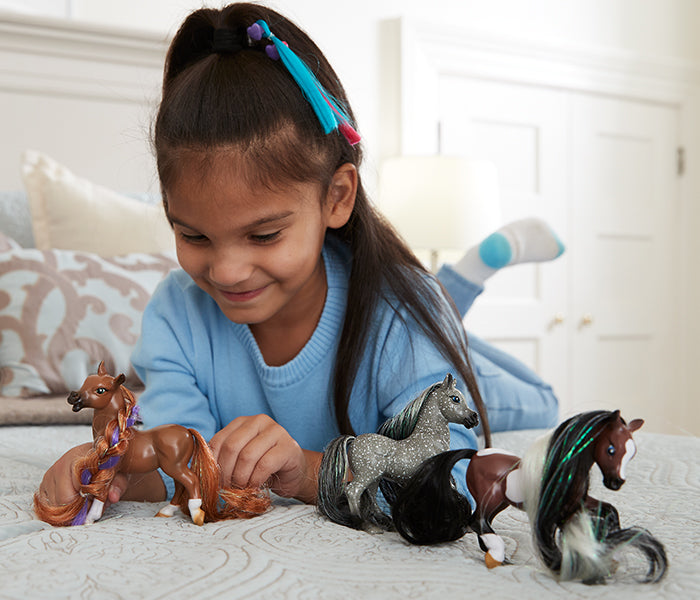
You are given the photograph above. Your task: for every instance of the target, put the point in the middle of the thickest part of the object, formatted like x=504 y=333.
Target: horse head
x=615 y=448
x=453 y=405
x=97 y=390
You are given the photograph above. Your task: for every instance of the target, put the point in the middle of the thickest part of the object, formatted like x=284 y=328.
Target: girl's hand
x=60 y=486
x=253 y=451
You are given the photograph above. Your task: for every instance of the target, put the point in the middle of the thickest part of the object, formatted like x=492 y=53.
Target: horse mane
x=400 y=426
x=564 y=479
x=96 y=470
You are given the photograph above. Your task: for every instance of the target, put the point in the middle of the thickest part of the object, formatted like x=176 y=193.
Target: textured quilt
x=292 y=552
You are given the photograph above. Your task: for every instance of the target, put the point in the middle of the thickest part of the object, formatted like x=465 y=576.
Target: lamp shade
x=440 y=202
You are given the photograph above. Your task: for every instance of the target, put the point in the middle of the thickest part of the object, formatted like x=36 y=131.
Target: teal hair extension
x=329 y=114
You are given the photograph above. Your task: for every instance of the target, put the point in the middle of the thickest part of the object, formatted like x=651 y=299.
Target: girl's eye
x=192 y=238
x=265 y=238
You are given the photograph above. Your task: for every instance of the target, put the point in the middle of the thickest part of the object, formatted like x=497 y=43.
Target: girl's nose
x=229 y=267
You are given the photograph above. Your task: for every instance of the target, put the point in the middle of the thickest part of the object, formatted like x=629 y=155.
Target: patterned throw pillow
x=62 y=311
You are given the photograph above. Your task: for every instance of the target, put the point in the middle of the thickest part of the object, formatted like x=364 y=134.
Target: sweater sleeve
x=409 y=363
x=165 y=358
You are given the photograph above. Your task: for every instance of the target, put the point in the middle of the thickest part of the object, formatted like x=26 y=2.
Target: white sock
x=523 y=241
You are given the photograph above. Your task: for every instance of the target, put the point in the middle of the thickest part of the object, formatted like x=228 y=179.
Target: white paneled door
x=523 y=131
x=598 y=323
x=625 y=211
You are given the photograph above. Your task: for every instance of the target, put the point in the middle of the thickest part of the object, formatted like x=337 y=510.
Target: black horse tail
x=592 y=554
x=429 y=509
x=647 y=544
x=331 y=500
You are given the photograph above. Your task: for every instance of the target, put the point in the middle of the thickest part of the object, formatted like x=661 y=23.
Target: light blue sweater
x=201 y=370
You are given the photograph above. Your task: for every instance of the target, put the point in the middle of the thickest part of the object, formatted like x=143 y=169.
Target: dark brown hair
x=214 y=99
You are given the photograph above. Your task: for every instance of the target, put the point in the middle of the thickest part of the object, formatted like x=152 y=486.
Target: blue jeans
x=515 y=396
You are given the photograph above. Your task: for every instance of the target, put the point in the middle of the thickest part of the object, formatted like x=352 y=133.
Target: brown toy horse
x=574 y=534
x=120 y=448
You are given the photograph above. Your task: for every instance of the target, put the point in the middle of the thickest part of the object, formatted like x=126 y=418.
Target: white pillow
x=71 y=213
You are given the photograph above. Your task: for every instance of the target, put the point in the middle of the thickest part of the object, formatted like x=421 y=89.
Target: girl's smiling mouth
x=243 y=296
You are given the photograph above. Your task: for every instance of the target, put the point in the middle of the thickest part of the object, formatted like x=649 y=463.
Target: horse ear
x=101 y=368
x=118 y=380
x=634 y=425
x=448 y=381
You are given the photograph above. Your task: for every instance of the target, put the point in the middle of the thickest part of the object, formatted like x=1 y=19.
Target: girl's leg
x=515 y=396
x=527 y=240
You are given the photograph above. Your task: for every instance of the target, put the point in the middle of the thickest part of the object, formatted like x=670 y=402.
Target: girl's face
x=256 y=251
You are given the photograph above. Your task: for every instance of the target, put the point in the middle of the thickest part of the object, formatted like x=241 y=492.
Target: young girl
x=299 y=314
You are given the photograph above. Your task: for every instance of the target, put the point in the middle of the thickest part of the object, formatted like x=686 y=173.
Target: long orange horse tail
x=59 y=515
x=217 y=503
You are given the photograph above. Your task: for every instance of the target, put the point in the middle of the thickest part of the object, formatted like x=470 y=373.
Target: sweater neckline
x=324 y=339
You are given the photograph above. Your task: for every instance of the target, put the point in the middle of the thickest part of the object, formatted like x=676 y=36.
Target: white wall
x=350 y=32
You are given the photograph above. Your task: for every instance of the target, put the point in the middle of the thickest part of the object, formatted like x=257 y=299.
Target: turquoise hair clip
x=329 y=114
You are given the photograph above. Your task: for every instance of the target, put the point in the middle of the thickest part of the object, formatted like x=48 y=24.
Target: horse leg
x=181 y=450
x=169 y=509
x=194 y=501
x=354 y=491
x=604 y=516
x=376 y=521
x=95 y=512
x=490 y=542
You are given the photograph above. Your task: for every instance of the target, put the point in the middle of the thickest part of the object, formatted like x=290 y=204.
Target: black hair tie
x=227 y=41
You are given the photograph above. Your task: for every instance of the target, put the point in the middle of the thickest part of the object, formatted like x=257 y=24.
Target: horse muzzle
x=471 y=420
x=75 y=401
x=613 y=483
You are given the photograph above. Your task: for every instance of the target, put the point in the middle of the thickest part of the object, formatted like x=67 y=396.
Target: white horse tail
x=531 y=467
x=583 y=557
x=331 y=500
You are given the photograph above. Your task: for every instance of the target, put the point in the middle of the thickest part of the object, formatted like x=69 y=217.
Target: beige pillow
x=64 y=311
x=72 y=213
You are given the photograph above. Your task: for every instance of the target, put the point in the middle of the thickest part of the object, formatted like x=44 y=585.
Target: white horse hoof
x=196 y=511
x=372 y=528
x=167 y=511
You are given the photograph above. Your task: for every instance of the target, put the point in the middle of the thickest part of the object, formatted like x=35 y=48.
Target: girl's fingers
x=257 y=455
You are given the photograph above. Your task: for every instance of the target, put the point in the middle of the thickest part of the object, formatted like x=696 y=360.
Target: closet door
x=523 y=130
x=625 y=206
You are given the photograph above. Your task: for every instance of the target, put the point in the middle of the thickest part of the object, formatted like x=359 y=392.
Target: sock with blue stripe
x=523 y=241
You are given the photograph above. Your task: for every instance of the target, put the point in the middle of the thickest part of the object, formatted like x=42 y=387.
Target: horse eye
x=101 y=390
x=455 y=399
x=611 y=450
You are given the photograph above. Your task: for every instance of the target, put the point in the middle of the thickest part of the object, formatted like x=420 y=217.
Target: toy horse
x=402 y=444
x=551 y=483
x=118 y=447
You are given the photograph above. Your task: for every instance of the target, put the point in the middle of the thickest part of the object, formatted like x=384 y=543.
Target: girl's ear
x=340 y=198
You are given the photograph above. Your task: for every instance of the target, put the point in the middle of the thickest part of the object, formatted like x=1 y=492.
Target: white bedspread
x=292 y=552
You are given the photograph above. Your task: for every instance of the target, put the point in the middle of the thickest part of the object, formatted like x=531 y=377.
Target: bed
x=293 y=552
x=74 y=275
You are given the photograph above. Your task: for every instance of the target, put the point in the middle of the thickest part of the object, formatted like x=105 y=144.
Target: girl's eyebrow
x=257 y=223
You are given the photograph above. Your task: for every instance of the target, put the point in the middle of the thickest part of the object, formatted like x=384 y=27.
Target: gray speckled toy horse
x=389 y=457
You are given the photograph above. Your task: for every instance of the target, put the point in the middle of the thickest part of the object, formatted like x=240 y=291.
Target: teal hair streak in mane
x=400 y=426
x=562 y=454
x=564 y=468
